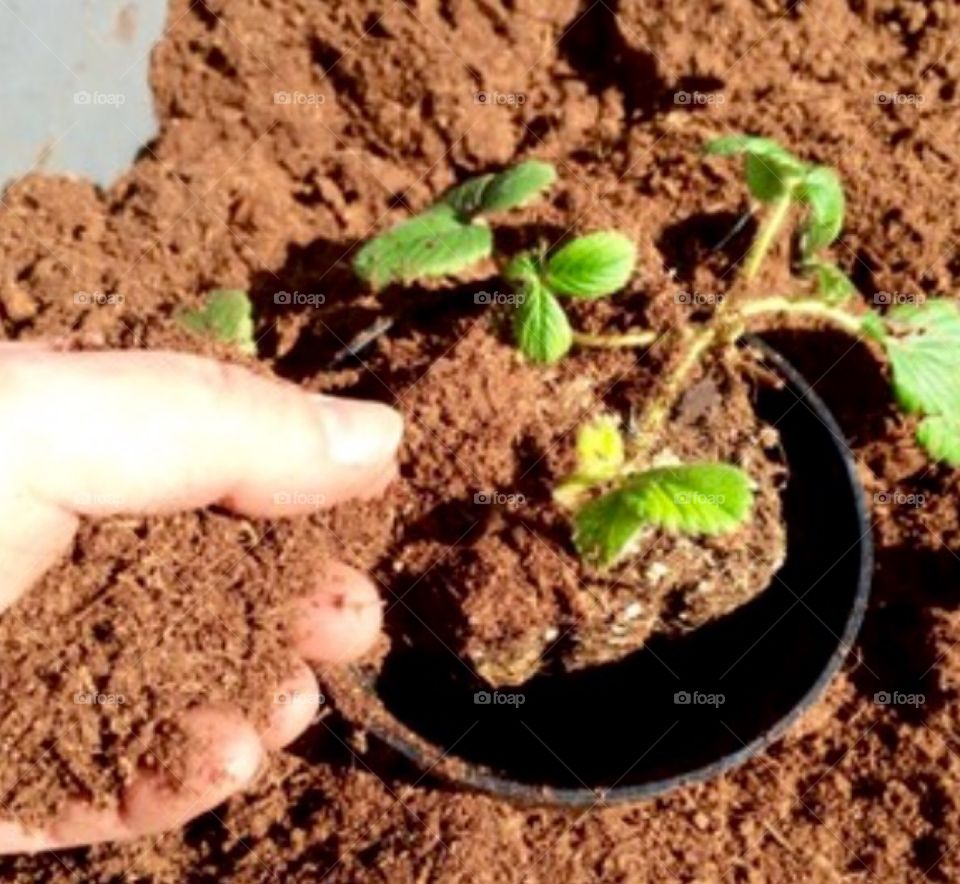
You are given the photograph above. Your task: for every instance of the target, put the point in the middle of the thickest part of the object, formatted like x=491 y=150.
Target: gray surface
x=74 y=95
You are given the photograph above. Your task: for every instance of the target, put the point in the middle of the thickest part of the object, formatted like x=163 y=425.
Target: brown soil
x=238 y=191
x=146 y=617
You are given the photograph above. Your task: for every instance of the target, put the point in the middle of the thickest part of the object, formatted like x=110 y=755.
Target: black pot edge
x=522 y=793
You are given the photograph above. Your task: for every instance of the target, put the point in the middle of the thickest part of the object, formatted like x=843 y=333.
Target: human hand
x=181 y=432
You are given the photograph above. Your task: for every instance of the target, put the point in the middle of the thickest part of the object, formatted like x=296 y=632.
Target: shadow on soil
x=339 y=319
x=634 y=72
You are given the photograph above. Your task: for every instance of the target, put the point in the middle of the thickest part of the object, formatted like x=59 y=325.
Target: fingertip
x=353 y=457
x=295 y=704
x=341 y=620
x=223 y=755
x=224 y=752
x=360 y=433
x=79 y=824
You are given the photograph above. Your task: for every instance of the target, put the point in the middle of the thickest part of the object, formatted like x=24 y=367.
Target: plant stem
x=612 y=342
x=724 y=327
x=848 y=322
x=767 y=234
x=661 y=406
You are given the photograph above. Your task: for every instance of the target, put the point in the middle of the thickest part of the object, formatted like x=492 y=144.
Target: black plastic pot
x=680 y=710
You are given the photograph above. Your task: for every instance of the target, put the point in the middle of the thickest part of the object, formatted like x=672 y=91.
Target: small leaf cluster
x=922 y=342
x=589 y=267
x=693 y=498
x=227 y=316
x=774 y=175
x=452 y=234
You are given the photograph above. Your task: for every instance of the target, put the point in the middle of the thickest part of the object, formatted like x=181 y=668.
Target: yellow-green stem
x=724 y=327
x=612 y=342
x=848 y=322
x=767 y=234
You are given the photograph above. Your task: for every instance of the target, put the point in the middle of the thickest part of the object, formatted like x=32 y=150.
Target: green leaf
x=600 y=455
x=227 y=316
x=608 y=529
x=698 y=498
x=522 y=269
x=766 y=180
x=592 y=266
x=541 y=328
x=508 y=189
x=768 y=168
x=467 y=198
x=923 y=344
x=833 y=285
x=434 y=243
x=822 y=192
x=940 y=436
x=517 y=185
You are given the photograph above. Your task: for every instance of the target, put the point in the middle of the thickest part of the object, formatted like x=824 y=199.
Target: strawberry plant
x=617 y=492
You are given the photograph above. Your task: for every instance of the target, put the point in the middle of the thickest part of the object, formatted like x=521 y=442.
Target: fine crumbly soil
x=145 y=618
x=239 y=191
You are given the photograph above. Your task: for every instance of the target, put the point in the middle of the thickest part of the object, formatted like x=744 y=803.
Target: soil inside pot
x=480 y=560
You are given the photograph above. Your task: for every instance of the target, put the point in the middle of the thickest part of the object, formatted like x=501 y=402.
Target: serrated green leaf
x=730 y=145
x=822 y=192
x=833 y=285
x=513 y=187
x=467 y=198
x=941 y=438
x=769 y=169
x=923 y=344
x=698 y=498
x=517 y=185
x=227 y=316
x=592 y=266
x=600 y=455
x=435 y=243
x=608 y=529
x=541 y=328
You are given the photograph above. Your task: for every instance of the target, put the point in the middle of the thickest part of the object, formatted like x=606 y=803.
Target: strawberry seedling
x=590 y=267
x=453 y=233
x=617 y=492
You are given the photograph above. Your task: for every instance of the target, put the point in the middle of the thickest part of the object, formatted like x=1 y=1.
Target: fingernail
x=360 y=433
